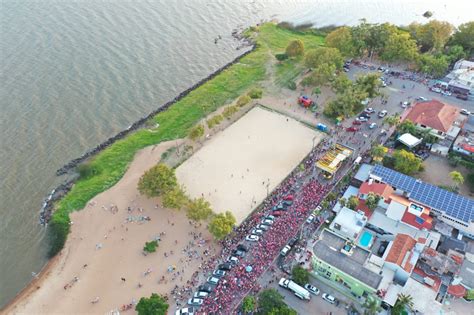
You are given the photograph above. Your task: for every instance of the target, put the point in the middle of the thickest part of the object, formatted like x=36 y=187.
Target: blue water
x=365 y=239
x=74 y=73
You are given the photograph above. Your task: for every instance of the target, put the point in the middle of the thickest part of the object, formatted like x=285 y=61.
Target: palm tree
x=457 y=178
x=403 y=302
x=392 y=120
x=372 y=306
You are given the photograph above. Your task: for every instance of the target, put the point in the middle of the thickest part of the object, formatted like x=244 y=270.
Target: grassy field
x=107 y=167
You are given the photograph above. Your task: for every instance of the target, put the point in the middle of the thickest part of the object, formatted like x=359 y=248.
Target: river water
x=74 y=73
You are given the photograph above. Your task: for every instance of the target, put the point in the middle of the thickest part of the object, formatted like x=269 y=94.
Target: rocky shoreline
x=60 y=191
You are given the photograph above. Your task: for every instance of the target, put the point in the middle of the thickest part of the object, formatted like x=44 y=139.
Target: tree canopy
x=378 y=152
x=341 y=38
x=300 y=275
x=369 y=84
x=295 y=48
x=399 y=47
x=221 y=224
x=372 y=200
x=175 y=198
x=456 y=177
x=316 y=57
x=464 y=36
x=271 y=302
x=154 y=305
x=199 y=209
x=406 y=162
x=433 y=65
x=431 y=36
x=157 y=180
x=249 y=304
x=352 y=202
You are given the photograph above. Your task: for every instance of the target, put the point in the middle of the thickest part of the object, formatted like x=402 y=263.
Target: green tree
x=455 y=52
x=464 y=36
x=295 y=48
x=352 y=202
x=369 y=84
x=316 y=57
x=406 y=162
x=372 y=200
x=403 y=302
x=300 y=275
x=399 y=47
x=433 y=65
x=150 y=247
x=407 y=126
x=175 y=198
x=346 y=104
x=457 y=178
x=322 y=75
x=157 y=180
x=281 y=56
x=255 y=93
x=371 y=306
x=341 y=38
x=343 y=201
x=431 y=36
x=341 y=84
x=271 y=302
x=199 y=209
x=154 y=305
x=378 y=151
x=392 y=120
x=331 y=196
x=325 y=203
x=248 y=304
x=221 y=224
x=196 y=133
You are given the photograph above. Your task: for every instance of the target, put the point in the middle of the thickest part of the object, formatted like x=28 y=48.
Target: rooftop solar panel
x=456 y=206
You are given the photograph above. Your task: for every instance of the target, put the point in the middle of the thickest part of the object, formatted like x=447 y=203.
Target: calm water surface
x=74 y=73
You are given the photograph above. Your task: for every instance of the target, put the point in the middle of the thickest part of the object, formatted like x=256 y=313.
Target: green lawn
x=108 y=166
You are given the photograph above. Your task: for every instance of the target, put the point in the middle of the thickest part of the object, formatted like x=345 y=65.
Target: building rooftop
x=380 y=189
x=349 y=223
x=433 y=114
x=455 y=206
x=441 y=263
x=350 y=191
x=328 y=249
x=424 y=298
x=401 y=252
x=467 y=271
x=451 y=243
x=423 y=221
x=333 y=158
x=363 y=172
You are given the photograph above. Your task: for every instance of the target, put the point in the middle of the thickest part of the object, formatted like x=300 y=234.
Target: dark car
x=293 y=241
x=242 y=247
x=462 y=97
x=287 y=203
x=206 y=288
x=277 y=213
x=225 y=266
x=238 y=253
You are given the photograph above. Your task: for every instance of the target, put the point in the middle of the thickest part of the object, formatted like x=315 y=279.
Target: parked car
x=285 y=250
x=435 y=89
x=218 y=273
x=362 y=119
x=270 y=217
x=329 y=298
x=421 y=99
x=233 y=260
x=252 y=238
x=357 y=122
x=465 y=112
x=293 y=241
x=213 y=280
x=267 y=222
x=352 y=129
x=287 y=202
x=446 y=93
x=369 y=110
x=238 y=253
x=257 y=232
x=263 y=227
x=200 y=294
x=311 y=289
x=288 y=197
x=405 y=104
x=310 y=219
x=372 y=125
x=195 y=302
x=242 y=247
x=462 y=97
x=277 y=213
x=186 y=311
x=279 y=206
x=225 y=266
x=206 y=288
x=346 y=69
x=382 y=113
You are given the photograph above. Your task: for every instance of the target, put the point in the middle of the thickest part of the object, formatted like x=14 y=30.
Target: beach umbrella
x=248 y=268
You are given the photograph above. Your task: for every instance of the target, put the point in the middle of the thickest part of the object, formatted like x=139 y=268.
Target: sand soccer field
x=237 y=167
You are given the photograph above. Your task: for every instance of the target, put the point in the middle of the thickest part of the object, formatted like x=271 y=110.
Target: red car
x=277 y=213
x=352 y=129
x=305 y=101
x=289 y=197
x=357 y=122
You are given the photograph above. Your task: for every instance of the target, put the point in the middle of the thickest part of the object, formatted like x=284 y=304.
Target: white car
x=252 y=238
x=372 y=125
x=446 y=93
x=267 y=222
x=233 y=260
x=421 y=99
x=382 y=113
x=369 y=110
x=270 y=217
x=284 y=251
x=436 y=90
x=218 y=273
x=465 y=112
x=311 y=289
x=362 y=119
x=310 y=219
x=405 y=104
x=263 y=227
x=328 y=298
x=257 y=232
x=200 y=294
x=185 y=311
x=195 y=302
x=213 y=280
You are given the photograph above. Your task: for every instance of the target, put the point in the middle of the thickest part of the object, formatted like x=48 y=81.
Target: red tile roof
x=457 y=290
x=363 y=207
x=433 y=114
x=401 y=247
x=411 y=219
x=380 y=189
x=437 y=280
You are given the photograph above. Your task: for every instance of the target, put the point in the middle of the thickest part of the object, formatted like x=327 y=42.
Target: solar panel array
x=453 y=205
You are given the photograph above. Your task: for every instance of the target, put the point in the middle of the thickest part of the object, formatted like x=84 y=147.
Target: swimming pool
x=365 y=239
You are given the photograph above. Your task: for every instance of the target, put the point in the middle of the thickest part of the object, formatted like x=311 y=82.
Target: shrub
x=243 y=100
x=196 y=133
x=150 y=247
x=154 y=305
x=255 y=93
x=214 y=121
x=295 y=48
x=58 y=229
x=292 y=85
x=157 y=180
x=175 y=198
x=87 y=170
x=281 y=57
x=221 y=224
x=229 y=111
x=199 y=209
x=300 y=275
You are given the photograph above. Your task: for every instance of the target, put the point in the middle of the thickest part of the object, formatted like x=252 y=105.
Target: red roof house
x=433 y=114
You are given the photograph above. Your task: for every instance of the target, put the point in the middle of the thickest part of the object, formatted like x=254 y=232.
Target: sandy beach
x=238 y=167
x=103 y=260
